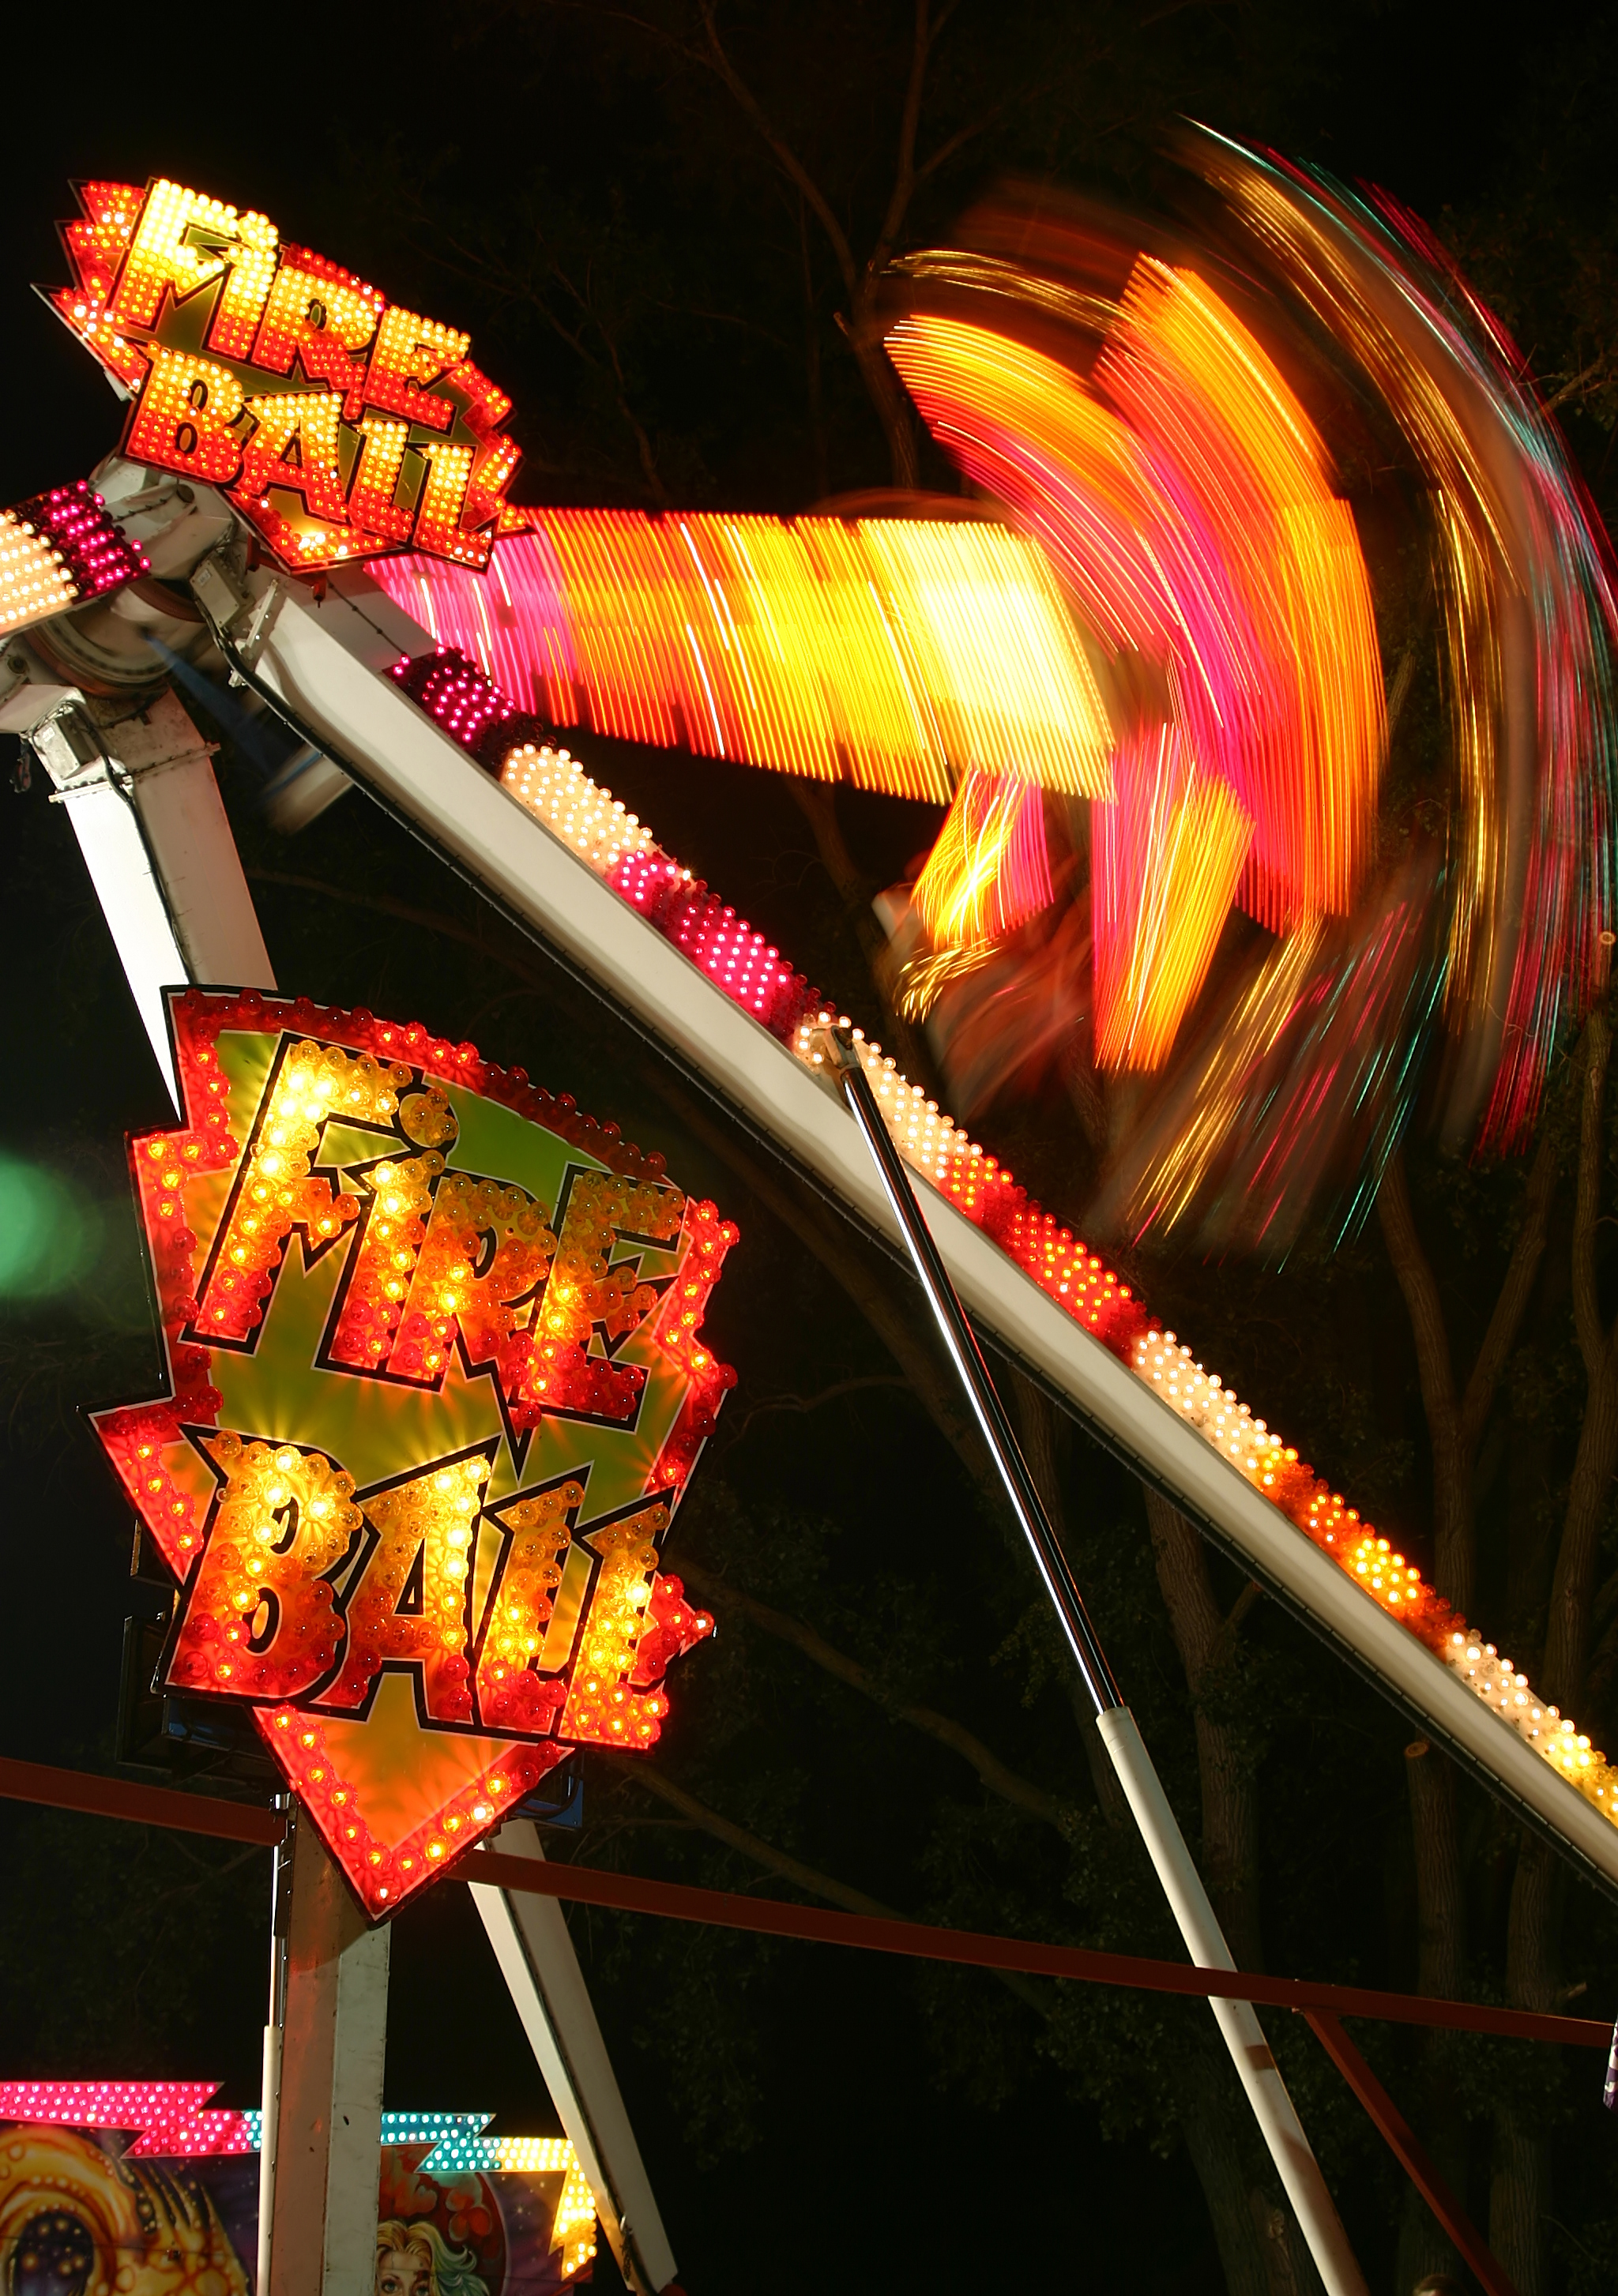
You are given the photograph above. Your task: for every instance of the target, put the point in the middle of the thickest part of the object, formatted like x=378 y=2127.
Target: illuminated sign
x=60 y=550
x=92 y=2171
x=436 y=1382
x=338 y=423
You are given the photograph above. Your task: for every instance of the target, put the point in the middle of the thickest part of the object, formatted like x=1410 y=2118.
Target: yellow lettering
x=183 y=421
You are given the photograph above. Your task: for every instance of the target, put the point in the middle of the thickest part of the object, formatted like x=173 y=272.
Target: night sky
x=868 y=2175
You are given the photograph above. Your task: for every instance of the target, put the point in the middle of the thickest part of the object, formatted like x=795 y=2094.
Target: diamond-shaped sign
x=437 y=1380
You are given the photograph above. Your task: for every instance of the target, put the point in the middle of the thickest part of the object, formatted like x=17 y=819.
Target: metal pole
x=281 y=1900
x=1273 y=2108
x=1416 y=2162
x=532 y=1943
x=330 y=2116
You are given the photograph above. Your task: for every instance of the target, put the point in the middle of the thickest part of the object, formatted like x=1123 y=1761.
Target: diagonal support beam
x=1417 y=2163
x=318 y=666
x=1272 y=2108
x=529 y=1936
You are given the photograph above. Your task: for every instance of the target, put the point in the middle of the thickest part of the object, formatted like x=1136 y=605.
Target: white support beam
x=328 y=2129
x=137 y=781
x=529 y=1936
x=315 y=656
x=108 y=829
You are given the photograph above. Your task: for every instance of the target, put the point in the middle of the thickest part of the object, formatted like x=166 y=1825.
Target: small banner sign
x=338 y=423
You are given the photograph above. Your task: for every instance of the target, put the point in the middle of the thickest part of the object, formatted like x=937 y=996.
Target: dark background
x=568 y=184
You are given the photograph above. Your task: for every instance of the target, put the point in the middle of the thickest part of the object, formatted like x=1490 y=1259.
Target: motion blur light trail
x=1171 y=649
x=1293 y=1083
x=895 y=653
x=622 y=851
x=1524 y=576
x=1168 y=856
x=1166 y=463
x=990 y=871
x=1183 y=496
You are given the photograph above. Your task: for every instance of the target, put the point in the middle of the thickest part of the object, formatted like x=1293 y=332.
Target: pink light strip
x=617 y=846
x=166 y=2117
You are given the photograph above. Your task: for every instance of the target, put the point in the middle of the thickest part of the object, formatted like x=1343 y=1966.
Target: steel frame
x=316 y=662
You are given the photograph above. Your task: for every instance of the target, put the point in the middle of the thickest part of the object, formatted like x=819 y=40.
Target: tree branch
x=826 y=1395
x=806 y=1878
x=951 y=144
x=1511 y=1304
x=429 y=920
x=786 y=158
x=1020 y=1791
x=1574 y=385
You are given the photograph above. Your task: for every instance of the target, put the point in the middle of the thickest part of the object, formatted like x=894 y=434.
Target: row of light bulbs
x=1093 y=1295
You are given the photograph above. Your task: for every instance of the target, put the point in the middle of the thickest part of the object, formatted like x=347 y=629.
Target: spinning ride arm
x=580 y=888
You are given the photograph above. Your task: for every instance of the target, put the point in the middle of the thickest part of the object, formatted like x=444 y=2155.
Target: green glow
x=48 y=1234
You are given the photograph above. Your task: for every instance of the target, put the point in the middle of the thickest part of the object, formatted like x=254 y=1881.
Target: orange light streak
x=1185 y=497
x=898 y=654
x=989 y=870
x=1223 y=430
x=1169 y=855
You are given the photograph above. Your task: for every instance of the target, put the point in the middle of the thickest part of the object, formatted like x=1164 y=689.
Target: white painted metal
x=306 y=786
x=1273 y=2108
x=104 y=821
x=275 y=2034
x=188 y=834
x=152 y=798
x=312 y=657
x=140 y=793
x=529 y=1936
x=269 y=2134
x=329 y=2125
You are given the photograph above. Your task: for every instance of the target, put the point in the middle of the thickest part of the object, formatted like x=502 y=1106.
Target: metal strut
x=1273 y=2108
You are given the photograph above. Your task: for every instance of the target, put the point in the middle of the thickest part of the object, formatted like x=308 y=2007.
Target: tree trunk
x=1567 y=1628
x=1229 y=1858
x=1254 y=2252
x=882 y=387
x=1519 y=2194
x=1520 y=2188
x=1453 y=1538
x=1424 y=2246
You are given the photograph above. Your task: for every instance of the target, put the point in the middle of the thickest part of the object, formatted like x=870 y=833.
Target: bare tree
x=859 y=271
x=1456 y=1417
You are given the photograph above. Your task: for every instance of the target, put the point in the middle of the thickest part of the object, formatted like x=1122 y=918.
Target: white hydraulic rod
x=319 y=661
x=1273 y=2109
x=529 y=1936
